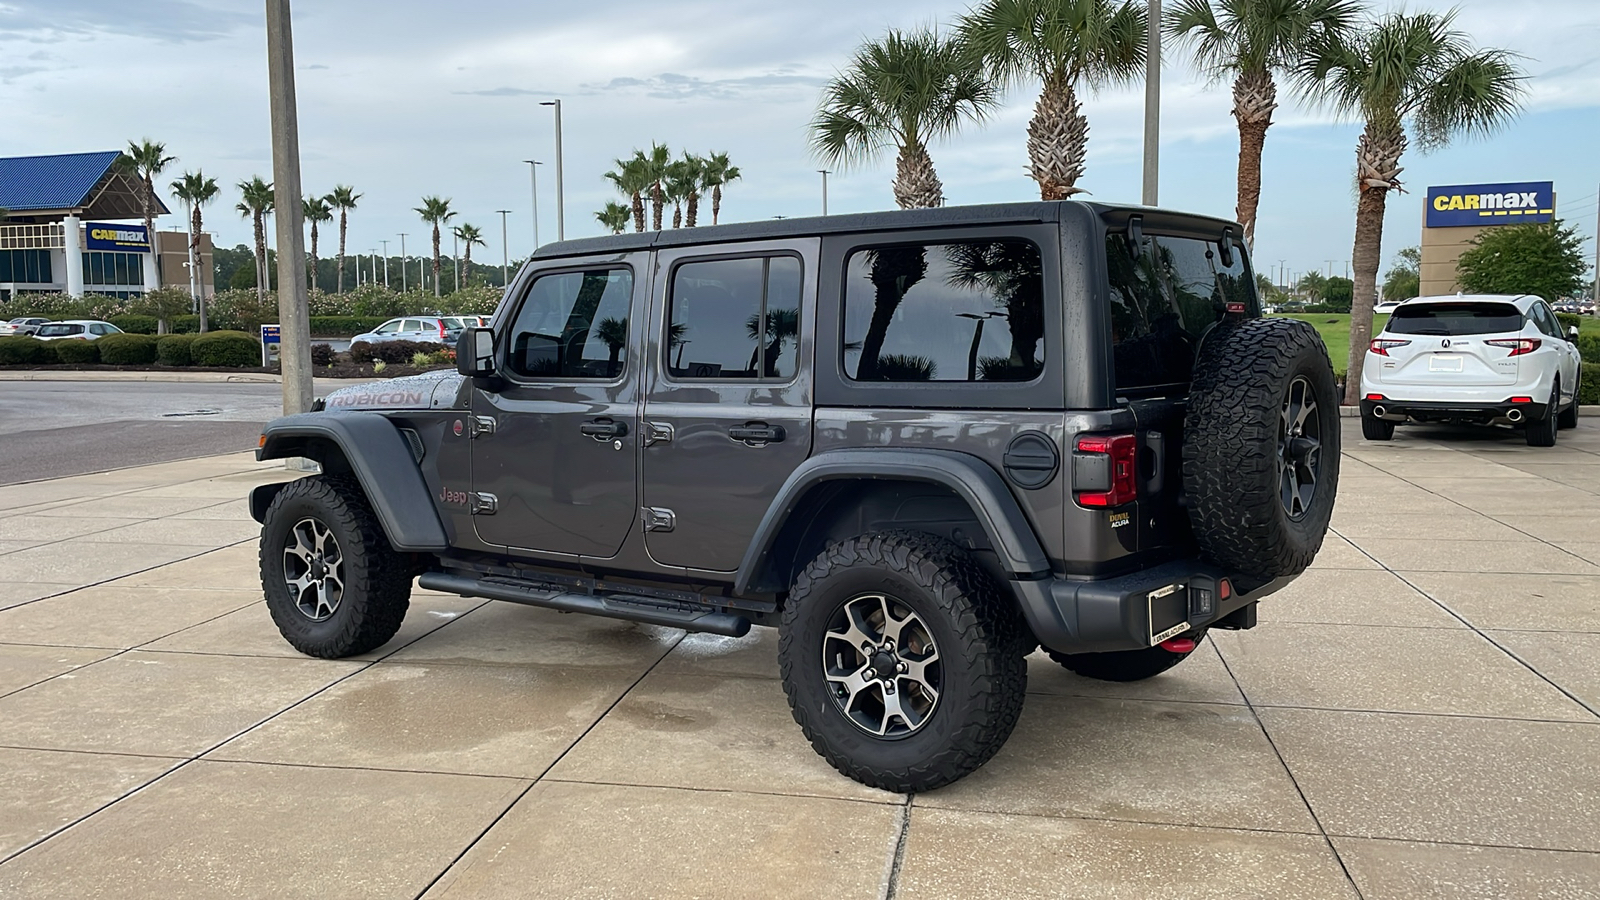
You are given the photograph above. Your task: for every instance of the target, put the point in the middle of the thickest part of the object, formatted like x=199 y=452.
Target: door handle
x=757 y=433
x=603 y=429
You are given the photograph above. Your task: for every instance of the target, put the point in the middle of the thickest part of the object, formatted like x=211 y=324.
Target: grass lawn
x=1335 y=331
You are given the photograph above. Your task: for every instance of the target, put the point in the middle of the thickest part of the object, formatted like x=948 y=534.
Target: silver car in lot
x=21 y=325
x=75 y=329
x=429 y=329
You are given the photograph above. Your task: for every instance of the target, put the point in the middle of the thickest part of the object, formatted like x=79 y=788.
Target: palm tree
x=719 y=172
x=656 y=165
x=693 y=172
x=781 y=326
x=316 y=210
x=256 y=204
x=343 y=199
x=1404 y=71
x=905 y=90
x=632 y=178
x=613 y=333
x=1250 y=41
x=196 y=190
x=436 y=212
x=681 y=184
x=468 y=235
x=614 y=217
x=145 y=160
x=1064 y=44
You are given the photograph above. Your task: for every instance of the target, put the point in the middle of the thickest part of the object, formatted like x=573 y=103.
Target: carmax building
x=73 y=223
x=1454 y=215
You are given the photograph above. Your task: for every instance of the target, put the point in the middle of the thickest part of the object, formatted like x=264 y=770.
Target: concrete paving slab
x=1135 y=761
x=238 y=830
x=159 y=704
x=753 y=656
x=1338 y=553
x=580 y=841
x=208 y=533
x=1201 y=678
x=81 y=562
x=1388 y=669
x=16 y=593
x=1445 y=778
x=234 y=568
x=1589 y=550
x=708 y=733
x=1397 y=870
x=237 y=510
x=43 y=494
x=250 y=631
x=950 y=854
x=1557 y=528
x=116 y=617
x=1335 y=597
x=22 y=665
x=1566 y=659
x=42 y=529
x=1440 y=555
x=123 y=506
x=44 y=790
x=472 y=720
x=515 y=635
x=1464 y=525
x=1544 y=603
x=13 y=546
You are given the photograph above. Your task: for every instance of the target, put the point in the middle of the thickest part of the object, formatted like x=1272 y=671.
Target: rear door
x=1445 y=344
x=727 y=416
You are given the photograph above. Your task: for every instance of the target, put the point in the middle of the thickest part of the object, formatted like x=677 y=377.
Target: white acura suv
x=1485 y=358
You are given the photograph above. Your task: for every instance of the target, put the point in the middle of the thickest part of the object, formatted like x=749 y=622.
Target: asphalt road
x=53 y=429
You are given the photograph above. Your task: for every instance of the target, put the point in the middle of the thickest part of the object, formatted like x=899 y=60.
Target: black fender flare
x=379 y=457
x=972 y=479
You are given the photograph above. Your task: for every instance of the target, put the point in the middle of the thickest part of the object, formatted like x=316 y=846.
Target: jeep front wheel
x=334 y=585
x=901 y=661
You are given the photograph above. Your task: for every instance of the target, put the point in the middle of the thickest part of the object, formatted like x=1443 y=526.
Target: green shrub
x=322 y=355
x=230 y=349
x=1589 y=347
x=1589 y=384
x=22 y=350
x=343 y=326
x=127 y=349
x=174 y=349
x=392 y=352
x=133 y=324
x=1569 y=320
x=186 y=325
x=74 y=352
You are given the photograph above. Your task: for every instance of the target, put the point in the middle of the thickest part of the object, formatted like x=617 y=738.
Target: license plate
x=1444 y=364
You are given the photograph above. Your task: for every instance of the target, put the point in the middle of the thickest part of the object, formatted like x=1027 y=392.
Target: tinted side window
x=968 y=311
x=735 y=318
x=1164 y=299
x=573 y=325
x=1547 y=321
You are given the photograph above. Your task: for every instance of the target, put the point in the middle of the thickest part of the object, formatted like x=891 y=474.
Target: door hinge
x=657 y=518
x=657 y=433
x=481 y=425
x=484 y=504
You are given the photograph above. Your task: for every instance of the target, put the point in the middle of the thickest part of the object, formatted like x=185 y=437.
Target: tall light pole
x=533 y=172
x=561 y=210
x=385 y=262
x=825 y=174
x=294 y=324
x=403 y=287
x=505 y=250
x=455 y=257
x=1152 y=105
x=374 y=261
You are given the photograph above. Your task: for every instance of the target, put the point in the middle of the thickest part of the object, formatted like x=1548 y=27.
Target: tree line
x=657 y=179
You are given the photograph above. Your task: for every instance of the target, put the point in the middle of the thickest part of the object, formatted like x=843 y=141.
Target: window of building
x=966 y=311
x=25 y=267
x=574 y=325
x=113 y=268
x=1164 y=299
x=735 y=318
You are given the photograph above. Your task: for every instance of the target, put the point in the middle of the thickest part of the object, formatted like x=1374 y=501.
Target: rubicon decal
x=382 y=399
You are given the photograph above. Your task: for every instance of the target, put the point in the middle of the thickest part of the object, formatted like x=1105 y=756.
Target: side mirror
x=1572 y=333
x=475 y=353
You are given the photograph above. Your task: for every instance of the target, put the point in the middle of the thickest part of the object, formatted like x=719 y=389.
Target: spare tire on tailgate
x=1261 y=446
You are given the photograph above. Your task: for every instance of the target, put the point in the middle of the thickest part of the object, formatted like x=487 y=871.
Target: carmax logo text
x=1513 y=203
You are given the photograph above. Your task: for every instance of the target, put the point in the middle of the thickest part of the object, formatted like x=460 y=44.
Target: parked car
x=461 y=323
x=21 y=325
x=751 y=438
x=1481 y=358
x=431 y=329
x=1387 y=306
x=75 y=329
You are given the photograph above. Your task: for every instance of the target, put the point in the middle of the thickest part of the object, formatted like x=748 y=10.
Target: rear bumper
x=1455 y=411
x=1137 y=610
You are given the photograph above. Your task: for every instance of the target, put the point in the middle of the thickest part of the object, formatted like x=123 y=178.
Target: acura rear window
x=1451 y=319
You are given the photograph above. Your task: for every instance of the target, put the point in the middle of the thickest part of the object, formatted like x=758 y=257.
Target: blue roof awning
x=68 y=181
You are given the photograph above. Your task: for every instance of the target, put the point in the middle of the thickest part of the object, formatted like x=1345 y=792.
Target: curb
x=192 y=377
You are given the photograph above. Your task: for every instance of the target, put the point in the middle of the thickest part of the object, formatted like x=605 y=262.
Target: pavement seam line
x=131 y=574
x=897 y=850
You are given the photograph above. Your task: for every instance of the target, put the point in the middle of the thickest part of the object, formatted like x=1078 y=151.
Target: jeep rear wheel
x=334 y=585
x=901 y=661
x=1261 y=446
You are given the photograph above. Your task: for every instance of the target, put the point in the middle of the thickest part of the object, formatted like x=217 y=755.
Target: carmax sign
x=117 y=237
x=1514 y=203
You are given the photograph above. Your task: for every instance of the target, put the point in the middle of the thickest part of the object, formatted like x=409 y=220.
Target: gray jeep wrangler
x=920 y=444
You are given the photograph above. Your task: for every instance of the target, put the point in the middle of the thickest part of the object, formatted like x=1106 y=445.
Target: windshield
x=1451 y=319
x=59 y=330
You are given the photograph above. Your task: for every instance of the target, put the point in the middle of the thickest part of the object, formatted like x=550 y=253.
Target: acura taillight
x=1517 y=346
x=1117 y=455
x=1382 y=346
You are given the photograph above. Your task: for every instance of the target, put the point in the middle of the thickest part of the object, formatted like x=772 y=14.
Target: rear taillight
x=1517 y=346
x=1121 y=453
x=1520 y=400
x=1375 y=397
x=1382 y=346
x=441 y=331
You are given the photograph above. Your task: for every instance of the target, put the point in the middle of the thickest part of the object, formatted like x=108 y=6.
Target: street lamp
x=561 y=218
x=374 y=261
x=505 y=251
x=825 y=174
x=403 y=287
x=385 y=263
x=533 y=172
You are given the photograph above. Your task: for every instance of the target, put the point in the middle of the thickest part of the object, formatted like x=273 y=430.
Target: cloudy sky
x=406 y=98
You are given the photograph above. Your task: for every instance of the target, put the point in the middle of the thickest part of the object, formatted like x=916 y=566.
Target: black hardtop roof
x=891 y=220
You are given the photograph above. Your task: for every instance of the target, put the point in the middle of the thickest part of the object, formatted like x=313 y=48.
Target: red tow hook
x=1177 y=645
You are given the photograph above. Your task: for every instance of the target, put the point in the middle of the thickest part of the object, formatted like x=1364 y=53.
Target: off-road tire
x=978 y=635
x=1121 y=665
x=1569 y=416
x=1543 y=432
x=1376 y=429
x=377 y=579
x=1242 y=381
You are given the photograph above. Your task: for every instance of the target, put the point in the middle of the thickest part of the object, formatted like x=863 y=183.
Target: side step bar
x=634 y=608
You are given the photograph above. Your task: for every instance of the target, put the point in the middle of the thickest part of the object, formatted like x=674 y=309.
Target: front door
x=554 y=465
x=728 y=414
